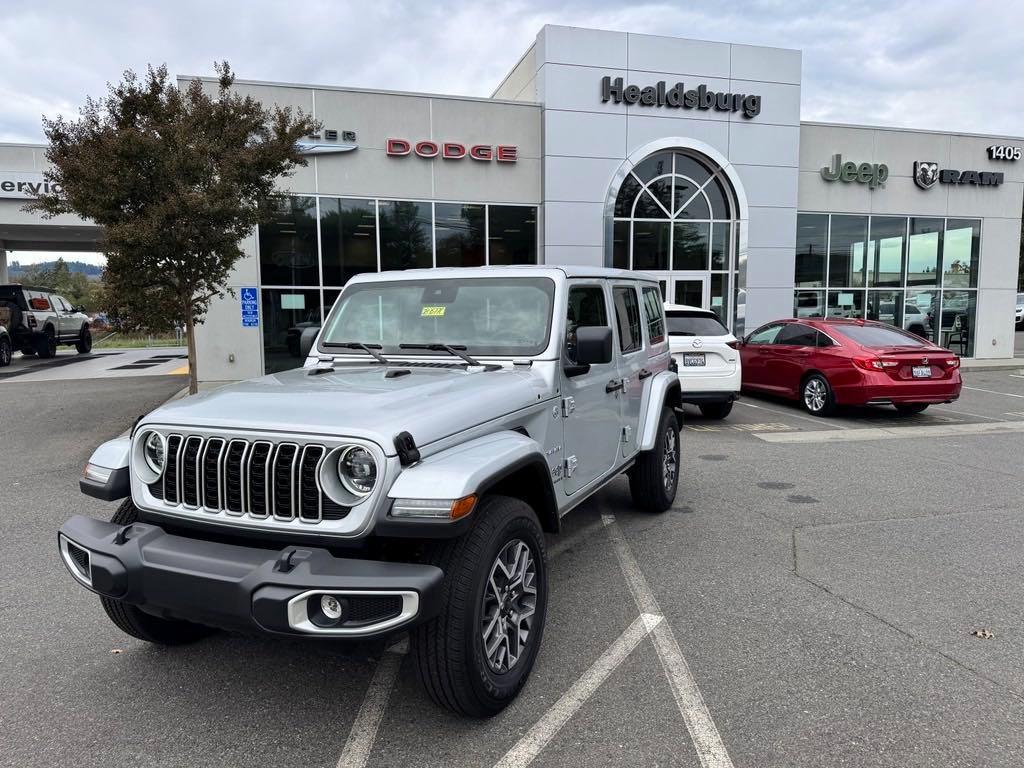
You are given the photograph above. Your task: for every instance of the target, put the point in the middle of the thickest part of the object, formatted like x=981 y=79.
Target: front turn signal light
x=433 y=509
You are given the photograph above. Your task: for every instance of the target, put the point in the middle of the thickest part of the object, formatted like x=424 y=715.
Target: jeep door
x=590 y=404
x=632 y=355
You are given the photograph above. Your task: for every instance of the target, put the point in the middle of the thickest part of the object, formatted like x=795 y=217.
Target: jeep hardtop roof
x=555 y=271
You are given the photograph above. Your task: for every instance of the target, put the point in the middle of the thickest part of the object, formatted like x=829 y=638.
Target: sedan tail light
x=954 y=363
x=874 y=363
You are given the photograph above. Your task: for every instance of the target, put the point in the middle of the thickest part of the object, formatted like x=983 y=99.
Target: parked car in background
x=706 y=356
x=1019 y=314
x=825 y=363
x=6 y=347
x=42 y=320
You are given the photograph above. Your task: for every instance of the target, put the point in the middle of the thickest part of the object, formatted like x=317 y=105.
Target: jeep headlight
x=358 y=470
x=154 y=452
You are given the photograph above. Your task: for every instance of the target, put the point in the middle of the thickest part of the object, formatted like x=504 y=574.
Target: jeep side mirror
x=306 y=341
x=593 y=345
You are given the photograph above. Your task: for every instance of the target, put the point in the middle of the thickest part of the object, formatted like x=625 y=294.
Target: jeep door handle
x=644 y=374
x=614 y=385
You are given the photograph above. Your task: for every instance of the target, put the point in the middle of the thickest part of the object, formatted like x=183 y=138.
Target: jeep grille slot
x=252 y=478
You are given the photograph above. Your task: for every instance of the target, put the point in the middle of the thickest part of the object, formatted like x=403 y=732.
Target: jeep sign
x=872 y=174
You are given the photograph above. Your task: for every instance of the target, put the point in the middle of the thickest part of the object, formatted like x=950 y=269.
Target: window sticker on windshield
x=432 y=312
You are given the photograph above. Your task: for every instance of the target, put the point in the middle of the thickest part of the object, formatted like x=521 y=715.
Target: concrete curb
x=995 y=365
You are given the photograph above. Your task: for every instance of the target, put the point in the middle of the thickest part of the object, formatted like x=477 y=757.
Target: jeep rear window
x=688 y=323
x=490 y=316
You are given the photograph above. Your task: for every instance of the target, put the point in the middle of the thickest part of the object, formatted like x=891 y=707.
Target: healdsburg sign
x=678 y=97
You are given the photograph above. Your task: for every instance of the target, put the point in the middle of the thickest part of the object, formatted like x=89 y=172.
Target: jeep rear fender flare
x=663 y=391
x=509 y=463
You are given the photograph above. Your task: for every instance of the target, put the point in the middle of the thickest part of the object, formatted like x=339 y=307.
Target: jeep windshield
x=502 y=317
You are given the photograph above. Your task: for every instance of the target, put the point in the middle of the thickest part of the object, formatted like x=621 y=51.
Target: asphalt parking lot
x=811 y=600
x=68 y=365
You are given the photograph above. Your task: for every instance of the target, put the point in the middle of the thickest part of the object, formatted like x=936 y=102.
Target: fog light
x=331 y=607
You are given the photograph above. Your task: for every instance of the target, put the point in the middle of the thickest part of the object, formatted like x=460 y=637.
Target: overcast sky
x=940 y=65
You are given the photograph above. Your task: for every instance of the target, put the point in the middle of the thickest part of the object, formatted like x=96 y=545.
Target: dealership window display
x=918 y=273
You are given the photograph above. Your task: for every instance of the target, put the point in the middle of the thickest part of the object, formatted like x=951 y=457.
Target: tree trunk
x=190 y=334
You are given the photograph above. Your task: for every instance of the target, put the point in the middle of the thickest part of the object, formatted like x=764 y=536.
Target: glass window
x=960 y=247
x=697 y=205
x=655 y=315
x=689 y=293
x=719 y=296
x=513 y=234
x=620 y=244
x=886 y=307
x=688 y=322
x=459 y=235
x=797 y=335
x=651 y=167
x=348 y=237
x=720 y=245
x=958 y=312
x=846 y=304
x=287 y=242
x=925 y=244
x=650 y=244
x=690 y=246
x=876 y=336
x=886 y=251
x=924 y=304
x=847 y=245
x=406 y=241
x=715 y=190
x=764 y=335
x=490 y=316
x=627 y=316
x=586 y=306
x=285 y=314
x=627 y=194
x=811 y=240
x=809 y=304
x=661 y=190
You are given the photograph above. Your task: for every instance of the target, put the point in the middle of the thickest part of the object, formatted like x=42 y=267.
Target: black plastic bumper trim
x=705 y=398
x=118 y=486
x=232 y=586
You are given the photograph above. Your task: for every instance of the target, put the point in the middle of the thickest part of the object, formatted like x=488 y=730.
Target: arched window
x=675 y=215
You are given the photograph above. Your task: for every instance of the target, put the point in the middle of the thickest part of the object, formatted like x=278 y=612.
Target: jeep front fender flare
x=663 y=391
x=112 y=458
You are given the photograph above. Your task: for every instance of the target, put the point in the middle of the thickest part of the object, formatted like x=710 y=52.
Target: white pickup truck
x=39 y=320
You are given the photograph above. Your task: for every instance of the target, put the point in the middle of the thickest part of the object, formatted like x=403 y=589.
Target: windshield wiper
x=367 y=348
x=451 y=349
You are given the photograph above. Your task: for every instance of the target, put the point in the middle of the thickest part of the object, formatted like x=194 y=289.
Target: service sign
x=24 y=186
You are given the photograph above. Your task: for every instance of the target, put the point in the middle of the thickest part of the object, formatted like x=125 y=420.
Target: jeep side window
x=654 y=314
x=586 y=307
x=627 y=314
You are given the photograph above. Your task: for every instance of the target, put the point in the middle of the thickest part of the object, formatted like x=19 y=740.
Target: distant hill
x=17 y=271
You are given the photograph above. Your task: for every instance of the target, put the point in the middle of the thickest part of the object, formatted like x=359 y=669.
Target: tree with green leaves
x=177 y=177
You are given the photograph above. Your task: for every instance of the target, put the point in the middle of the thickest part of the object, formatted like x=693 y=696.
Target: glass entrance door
x=692 y=290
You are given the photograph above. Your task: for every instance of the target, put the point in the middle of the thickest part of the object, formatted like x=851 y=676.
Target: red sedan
x=825 y=363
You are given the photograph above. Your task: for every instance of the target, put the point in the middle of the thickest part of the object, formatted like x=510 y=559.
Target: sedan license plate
x=694 y=359
x=922 y=371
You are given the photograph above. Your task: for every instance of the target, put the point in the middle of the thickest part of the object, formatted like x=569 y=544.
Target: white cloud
x=941 y=65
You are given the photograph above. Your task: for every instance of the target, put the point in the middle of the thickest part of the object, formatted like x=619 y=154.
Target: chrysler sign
x=24 y=186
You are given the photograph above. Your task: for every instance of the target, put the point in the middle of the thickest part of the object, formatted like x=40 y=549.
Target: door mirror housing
x=593 y=345
x=306 y=340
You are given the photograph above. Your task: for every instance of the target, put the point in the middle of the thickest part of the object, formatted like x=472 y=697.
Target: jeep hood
x=359 y=401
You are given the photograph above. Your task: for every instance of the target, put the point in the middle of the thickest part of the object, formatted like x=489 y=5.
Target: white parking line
x=992 y=391
x=360 y=740
x=893 y=433
x=703 y=731
x=535 y=739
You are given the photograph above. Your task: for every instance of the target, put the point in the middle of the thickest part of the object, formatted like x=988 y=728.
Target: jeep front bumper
x=247 y=588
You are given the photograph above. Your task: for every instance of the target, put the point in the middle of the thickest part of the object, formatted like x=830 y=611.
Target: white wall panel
x=676 y=56
x=756 y=62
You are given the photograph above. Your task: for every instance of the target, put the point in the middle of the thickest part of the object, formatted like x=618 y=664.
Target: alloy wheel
x=509 y=604
x=815 y=395
x=670 y=461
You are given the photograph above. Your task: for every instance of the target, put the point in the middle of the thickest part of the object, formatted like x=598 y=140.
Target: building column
x=3 y=264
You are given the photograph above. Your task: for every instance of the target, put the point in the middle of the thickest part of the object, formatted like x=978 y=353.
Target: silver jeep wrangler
x=402 y=480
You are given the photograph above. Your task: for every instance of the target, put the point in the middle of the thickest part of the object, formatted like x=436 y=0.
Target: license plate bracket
x=694 y=360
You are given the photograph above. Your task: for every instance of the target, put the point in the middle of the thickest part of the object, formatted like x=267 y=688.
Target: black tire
x=46 y=345
x=137 y=623
x=6 y=350
x=84 y=343
x=654 y=478
x=29 y=352
x=448 y=651
x=817 y=396
x=716 y=410
x=908 y=409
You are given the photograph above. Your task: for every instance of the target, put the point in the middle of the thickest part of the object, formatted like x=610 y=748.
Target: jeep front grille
x=251 y=478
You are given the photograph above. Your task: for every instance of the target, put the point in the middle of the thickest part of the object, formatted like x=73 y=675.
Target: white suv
x=705 y=353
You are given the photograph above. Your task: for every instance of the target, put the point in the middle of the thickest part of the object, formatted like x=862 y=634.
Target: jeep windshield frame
x=506 y=317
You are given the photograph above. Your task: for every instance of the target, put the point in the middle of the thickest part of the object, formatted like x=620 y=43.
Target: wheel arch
x=664 y=390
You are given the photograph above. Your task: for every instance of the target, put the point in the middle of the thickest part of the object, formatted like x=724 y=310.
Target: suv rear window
x=689 y=323
x=875 y=336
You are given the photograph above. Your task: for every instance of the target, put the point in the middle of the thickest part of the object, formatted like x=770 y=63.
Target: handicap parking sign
x=250 y=307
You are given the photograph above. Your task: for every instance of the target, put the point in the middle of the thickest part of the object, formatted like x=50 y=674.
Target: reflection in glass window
x=459 y=235
x=690 y=246
x=654 y=314
x=405 y=236
x=348 y=237
x=811 y=241
x=958 y=312
x=809 y=304
x=513 y=234
x=924 y=303
x=285 y=313
x=651 y=244
x=720 y=245
x=923 y=254
x=627 y=316
x=885 y=307
x=620 y=245
x=886 y=251
x=960 y=247
x=846 y=304
x=847 y=245
x=288 y=248
x=720 y=296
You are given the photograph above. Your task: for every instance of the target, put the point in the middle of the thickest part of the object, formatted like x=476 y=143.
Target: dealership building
x=682 y=158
